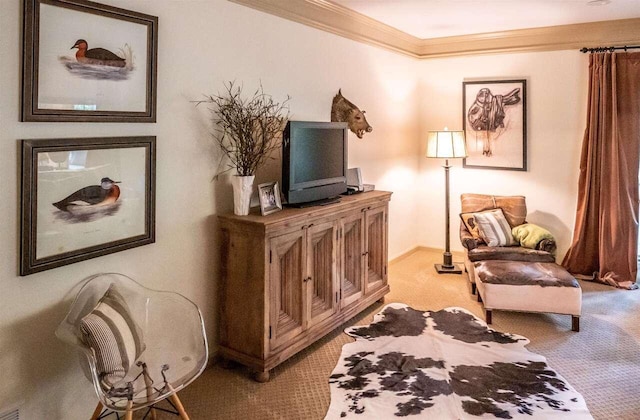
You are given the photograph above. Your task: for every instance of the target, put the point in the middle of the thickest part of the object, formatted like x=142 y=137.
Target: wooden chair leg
x=575 y=323
x=176 y=401
x=473 y=288
x=478 y=296
x=97 y=411
x=129 y=414
x=487 y=316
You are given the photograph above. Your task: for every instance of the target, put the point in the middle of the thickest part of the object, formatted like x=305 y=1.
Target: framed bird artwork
x=84 y=198
x=88 y=62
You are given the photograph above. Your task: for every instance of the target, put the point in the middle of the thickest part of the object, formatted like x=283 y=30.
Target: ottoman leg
x=575 y=323
x=487 y=316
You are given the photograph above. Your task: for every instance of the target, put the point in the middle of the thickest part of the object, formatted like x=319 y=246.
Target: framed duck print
x=83 y=198
x=494 y=119
x=88 y=62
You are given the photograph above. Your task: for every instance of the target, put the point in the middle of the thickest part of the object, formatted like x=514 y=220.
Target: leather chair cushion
x=513 y=207
x=509 y=253
x=515 y=273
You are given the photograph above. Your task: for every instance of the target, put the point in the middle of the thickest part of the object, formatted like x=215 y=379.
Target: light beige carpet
x=602 y=361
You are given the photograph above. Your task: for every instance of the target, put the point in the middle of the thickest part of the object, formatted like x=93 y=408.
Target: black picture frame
x=54 y=233
x=116 y=94
x=494 y=118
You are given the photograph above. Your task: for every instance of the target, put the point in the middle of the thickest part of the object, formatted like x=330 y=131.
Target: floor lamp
x=446 y=145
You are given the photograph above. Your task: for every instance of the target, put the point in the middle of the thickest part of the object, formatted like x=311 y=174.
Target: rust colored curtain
x=606 y=231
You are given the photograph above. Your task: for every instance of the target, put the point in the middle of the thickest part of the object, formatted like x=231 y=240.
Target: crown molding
x=339 y=20
x=549 y=38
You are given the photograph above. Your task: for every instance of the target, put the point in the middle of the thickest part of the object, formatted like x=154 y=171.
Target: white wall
x=201 y=45
x=556 y=100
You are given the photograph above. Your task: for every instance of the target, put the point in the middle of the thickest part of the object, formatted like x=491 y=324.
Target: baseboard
x=456 y=254
x=404 y=255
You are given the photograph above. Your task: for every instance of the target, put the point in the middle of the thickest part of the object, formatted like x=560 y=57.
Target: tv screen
x=314 y=161
x=324 y=143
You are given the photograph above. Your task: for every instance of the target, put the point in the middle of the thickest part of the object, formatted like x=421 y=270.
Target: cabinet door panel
x=352 y=230
x=287 y=287
x=376 y=249
x=322 y=272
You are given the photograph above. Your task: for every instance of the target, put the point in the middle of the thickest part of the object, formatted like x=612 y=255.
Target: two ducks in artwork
x=107 y=192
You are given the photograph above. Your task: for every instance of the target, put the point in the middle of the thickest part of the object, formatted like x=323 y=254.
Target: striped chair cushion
x=114 y=337
x=494 y=228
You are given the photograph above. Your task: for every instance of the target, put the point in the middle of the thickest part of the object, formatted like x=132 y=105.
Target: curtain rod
x=608 y=49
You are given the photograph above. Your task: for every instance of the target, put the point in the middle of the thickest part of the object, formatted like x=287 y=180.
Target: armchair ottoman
x=515 y=211
x=515 y=278
x=528 y=287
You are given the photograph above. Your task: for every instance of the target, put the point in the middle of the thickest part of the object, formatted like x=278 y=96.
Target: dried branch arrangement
x=247 y=130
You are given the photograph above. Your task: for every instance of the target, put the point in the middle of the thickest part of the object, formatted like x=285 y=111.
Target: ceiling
x=442 y=18
x=441 y=28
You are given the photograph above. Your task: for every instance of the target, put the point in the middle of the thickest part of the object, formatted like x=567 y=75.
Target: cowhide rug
x=445 y=365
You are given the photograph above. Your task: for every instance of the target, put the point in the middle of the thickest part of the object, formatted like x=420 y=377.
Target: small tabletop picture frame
x=269 y=195
x=83 y=198
x=88 y=62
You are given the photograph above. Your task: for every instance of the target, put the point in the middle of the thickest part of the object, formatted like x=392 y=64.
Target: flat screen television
x=314 y=162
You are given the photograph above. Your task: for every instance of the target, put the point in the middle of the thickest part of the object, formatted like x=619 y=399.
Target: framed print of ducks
x=84 y=198
x=88 y=62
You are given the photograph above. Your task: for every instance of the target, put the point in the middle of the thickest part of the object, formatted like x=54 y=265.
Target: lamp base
x=442 y=269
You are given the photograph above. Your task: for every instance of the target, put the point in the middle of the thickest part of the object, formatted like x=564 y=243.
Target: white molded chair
x=141 y=346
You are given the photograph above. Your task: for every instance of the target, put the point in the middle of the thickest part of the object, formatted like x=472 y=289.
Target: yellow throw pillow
x=529 y=235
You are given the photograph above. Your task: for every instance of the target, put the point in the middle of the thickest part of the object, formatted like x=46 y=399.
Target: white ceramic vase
x=242 y=189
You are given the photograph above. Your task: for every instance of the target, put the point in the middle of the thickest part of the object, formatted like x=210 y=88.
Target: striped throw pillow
x=494 y=228
x=113 y=335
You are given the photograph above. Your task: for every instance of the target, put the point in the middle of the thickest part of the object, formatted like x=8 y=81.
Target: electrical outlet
x=11 y=414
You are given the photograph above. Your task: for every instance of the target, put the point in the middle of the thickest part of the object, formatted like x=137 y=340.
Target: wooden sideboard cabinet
x=291 y=277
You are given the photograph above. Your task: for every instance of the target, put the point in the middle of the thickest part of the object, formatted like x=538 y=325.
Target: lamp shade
x=446 y=144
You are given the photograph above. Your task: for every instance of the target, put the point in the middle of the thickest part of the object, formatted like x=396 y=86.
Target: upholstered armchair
x=514 y=209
